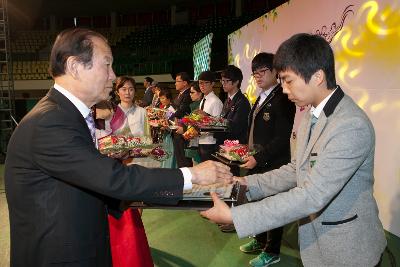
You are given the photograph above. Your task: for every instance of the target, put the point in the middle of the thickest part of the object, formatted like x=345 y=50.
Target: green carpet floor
x=184 y=239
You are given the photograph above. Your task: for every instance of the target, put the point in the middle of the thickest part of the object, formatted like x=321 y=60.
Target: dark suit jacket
x=148 y=97
x=181 y=104
x=272 y=129
x=56 y=182
x=236 y=113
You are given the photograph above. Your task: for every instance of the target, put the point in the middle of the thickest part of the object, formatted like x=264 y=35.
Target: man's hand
x=211 y=172
x=220 y=213
x=250 y=163
x=240 y=180
x=179 y=130
x=119 y=155
x=104 y=113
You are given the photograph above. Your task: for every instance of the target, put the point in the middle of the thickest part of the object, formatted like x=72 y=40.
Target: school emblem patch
x=266 y=116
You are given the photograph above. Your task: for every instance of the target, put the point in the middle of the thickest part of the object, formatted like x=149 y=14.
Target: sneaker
x=252 y=246
x=227 y=228
x=264 y=260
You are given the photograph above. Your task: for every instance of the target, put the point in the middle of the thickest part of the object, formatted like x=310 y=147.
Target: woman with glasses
x=196 y=95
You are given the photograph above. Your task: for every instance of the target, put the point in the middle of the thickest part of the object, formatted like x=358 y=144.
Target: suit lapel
x=227 y=109
x=315 y=134
x=319 y=126
x=253 y=109
x=71 y=109
x=267 y=100
x=179 y=98
x=302 y=138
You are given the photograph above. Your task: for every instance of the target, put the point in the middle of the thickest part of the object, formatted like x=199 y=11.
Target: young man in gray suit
x=328 y=187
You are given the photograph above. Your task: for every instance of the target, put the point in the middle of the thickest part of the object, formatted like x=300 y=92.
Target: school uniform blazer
x=56 y=184
x=272 y=129
x=236 y=112
x=328 y=188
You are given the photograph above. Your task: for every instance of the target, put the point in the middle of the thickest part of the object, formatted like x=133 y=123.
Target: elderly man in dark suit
x=57 y=182
x=328 y=187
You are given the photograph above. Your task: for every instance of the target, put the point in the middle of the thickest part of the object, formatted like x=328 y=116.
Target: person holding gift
x=128 y=241
x=210 y=105
x=58 y=184
x=328 y=187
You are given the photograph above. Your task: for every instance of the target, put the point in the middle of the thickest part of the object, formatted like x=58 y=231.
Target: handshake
x=211 y=172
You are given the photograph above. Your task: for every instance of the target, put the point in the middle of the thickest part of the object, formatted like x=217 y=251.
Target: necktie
x=262 y=98
x=202 y=104
x=228 y=104
x=92 y=127
x=313 y=122
x=226 y=108
x=251 y=140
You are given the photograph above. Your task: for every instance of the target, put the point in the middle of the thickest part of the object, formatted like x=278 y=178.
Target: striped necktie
x=92 y=127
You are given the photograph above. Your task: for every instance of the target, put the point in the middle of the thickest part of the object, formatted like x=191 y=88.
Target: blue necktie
x=92 y=127
x=313 y=122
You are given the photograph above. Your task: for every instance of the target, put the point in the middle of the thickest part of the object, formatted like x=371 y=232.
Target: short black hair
x=305 y=54
x=195 y=86
x=165 y=92
x=262 y=60
x=233 y=73
x=184 y=76
x=207 y=76
x=76 y=42
x=149 y=79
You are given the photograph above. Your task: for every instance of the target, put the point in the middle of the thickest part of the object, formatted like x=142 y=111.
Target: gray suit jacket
x=328 y=188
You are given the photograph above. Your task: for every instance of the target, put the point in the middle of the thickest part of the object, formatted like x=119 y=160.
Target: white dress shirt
x=317 y=110
x=213 y=106
x=264 y=95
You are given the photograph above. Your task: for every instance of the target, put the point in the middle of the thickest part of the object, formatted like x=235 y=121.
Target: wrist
x=193 y=175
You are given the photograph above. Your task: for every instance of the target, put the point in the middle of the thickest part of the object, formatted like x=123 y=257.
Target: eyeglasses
x=204 y=82
x=259 y=73
x=224 y=81
x=178 y=81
